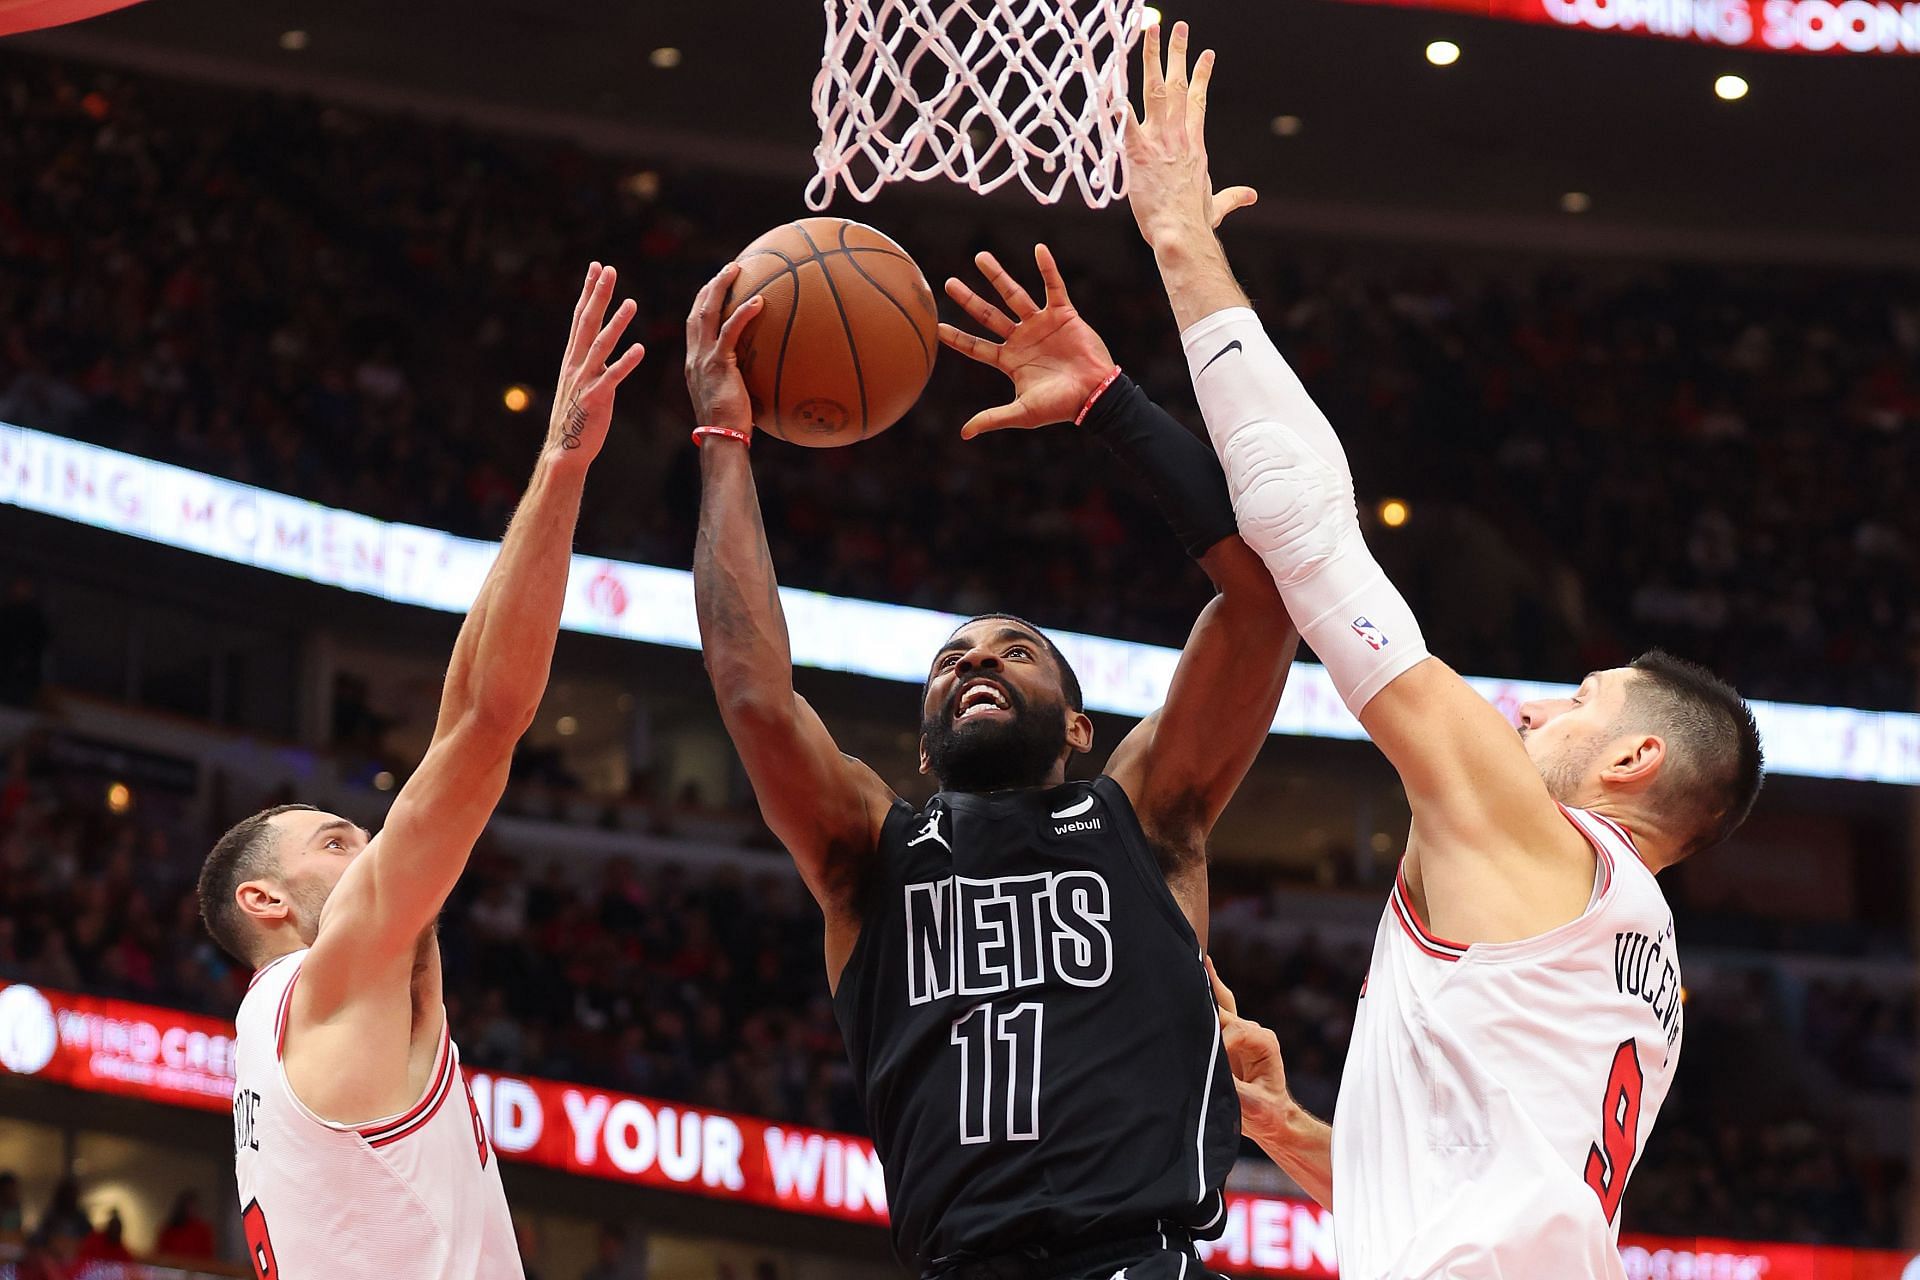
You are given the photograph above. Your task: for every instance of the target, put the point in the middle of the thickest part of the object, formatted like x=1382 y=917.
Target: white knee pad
x=1293 y=500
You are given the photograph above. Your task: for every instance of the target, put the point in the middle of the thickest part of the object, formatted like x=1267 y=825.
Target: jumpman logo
x=931 y=832
x=1121 y=1274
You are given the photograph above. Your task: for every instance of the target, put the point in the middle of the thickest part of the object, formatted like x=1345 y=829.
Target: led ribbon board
x=1784 y=26
x=186 y=1060
x=410 y=565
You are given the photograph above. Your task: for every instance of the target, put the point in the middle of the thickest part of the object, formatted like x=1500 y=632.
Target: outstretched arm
x=1298 y=1142
x=352 y=1009
x=826 y=808
x=1182 y=764
x=1479 y=805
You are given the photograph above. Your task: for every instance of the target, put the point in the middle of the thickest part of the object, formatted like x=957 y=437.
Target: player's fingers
x=609 y=337
x=982 y=312
x=582 y=322
x=1225 y=202
x=1152 y=83
x=629 y=361
x=973 y=348
x=1000 y=418
x=737 y=322
x=1222 y=994
x=1056 y=286
x=1197 y=94
x=1177 y=76
x=1018 y=300
x=703 y=321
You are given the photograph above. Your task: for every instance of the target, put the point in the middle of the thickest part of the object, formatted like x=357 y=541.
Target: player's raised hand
x=713 y=362
x=1053 y=356
x=1168 y=185
x=1259 y=1073
x=583 y=405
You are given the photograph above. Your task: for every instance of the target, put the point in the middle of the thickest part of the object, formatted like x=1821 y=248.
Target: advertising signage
x=1781 y=26
x=653 y=604
x=182 y=1059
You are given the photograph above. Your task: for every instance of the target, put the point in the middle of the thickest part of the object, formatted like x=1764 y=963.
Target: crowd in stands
x=708 y=988
x=1598 y=457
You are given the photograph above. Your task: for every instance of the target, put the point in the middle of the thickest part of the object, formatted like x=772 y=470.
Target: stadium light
x=516 y=398
x=293 y=41
x=1730 y=88
x=1443 y=53
x=1576 y=202
x=1149 y=16
x=666 y=57
x=1286 y=126
x=1394 y=513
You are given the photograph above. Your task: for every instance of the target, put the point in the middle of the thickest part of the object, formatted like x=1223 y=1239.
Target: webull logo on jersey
x=983 y=937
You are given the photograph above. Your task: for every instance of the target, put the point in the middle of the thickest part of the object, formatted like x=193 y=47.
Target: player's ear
x=262 y=901
x=926 y=766
x=1079 y=732
x=1635 y=761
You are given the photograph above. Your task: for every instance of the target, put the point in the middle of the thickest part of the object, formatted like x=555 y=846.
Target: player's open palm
x=1168 y=185
x=583 y=405
x=1259 y=1073
x=1054 y=357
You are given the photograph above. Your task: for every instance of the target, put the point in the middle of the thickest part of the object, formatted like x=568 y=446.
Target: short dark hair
x=1069 y=682
x=1712 y=741
x=242 y=854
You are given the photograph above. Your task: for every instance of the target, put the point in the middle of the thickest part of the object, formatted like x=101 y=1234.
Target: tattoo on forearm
x=576 y=423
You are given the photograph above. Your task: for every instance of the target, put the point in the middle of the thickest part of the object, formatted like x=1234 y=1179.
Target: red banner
x=1786 y=26
x=113 y=1046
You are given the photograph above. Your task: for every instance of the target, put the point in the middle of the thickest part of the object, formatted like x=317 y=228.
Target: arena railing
x=407 y=564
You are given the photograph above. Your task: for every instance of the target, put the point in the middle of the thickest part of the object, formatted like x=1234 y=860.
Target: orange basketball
x=845 y=342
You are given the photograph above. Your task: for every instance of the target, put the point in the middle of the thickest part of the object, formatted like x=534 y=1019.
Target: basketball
x=845 y=342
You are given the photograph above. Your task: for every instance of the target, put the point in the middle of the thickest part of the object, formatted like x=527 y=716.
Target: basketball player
x=1520 y=1023
x=1016 y=965
x=359 y=1151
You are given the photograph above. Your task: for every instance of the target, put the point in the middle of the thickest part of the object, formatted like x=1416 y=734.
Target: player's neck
x=1655 y=846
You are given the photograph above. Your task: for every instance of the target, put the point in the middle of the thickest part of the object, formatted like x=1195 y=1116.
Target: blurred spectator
x=186 y=1235
x=106 y=1243
x=617 y=1258
x=12 y=1216
x=64 y=1219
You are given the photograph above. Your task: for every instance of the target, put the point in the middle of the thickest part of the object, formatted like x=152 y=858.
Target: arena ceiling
x=1818 y=161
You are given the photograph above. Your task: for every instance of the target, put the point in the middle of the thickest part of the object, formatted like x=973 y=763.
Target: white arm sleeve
x=1293 y=499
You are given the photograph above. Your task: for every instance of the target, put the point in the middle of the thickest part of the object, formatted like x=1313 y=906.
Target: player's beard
x=1020 y=750
x=1566 y=770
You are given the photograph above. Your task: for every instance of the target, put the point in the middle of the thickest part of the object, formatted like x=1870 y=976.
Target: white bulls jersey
x=414 y=1195
x=1497 y=1096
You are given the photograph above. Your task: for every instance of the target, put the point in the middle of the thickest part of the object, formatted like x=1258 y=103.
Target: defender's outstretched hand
x=1259 y=1073
x=583 y=405
x=1054 y=357
x=1166 y=149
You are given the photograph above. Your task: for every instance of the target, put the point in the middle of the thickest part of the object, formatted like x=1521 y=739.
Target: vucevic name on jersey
x=1033 y=1030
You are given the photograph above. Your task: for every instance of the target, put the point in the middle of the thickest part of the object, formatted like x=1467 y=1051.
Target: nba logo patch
x=1376 y=638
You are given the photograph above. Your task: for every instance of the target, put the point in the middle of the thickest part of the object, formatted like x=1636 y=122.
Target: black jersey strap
x=1178 y=466
x=1063 y=1258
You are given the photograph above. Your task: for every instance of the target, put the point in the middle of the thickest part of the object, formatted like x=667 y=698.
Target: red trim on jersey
x=386 y=1131
x=280 y=1019
x=1599 y=845
x=261 y=972
x=1619 y=829
x=1425 y=939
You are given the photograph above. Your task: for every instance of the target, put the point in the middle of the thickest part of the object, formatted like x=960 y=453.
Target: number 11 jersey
x=1497 y=1096
x=1032 y=1029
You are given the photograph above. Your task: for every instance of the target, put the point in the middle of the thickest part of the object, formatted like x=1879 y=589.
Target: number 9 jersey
x=1497 y=1096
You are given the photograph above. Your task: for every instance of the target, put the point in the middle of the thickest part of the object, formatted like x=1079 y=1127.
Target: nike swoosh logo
x=1231 y=346
x=1075 y=810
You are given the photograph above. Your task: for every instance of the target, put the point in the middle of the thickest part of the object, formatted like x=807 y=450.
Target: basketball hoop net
x=979 y=91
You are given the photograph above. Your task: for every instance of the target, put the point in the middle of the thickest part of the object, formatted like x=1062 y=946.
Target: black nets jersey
x=1033 y=1029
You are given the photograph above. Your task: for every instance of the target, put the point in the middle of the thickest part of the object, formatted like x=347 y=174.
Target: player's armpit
x=1181 y=765
x=1495 y=852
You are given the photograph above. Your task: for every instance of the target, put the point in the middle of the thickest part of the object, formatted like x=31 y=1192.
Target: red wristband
x=1098 y=391
x=728 y=432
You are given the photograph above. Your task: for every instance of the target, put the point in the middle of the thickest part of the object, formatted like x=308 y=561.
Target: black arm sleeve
x=1178 y=466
